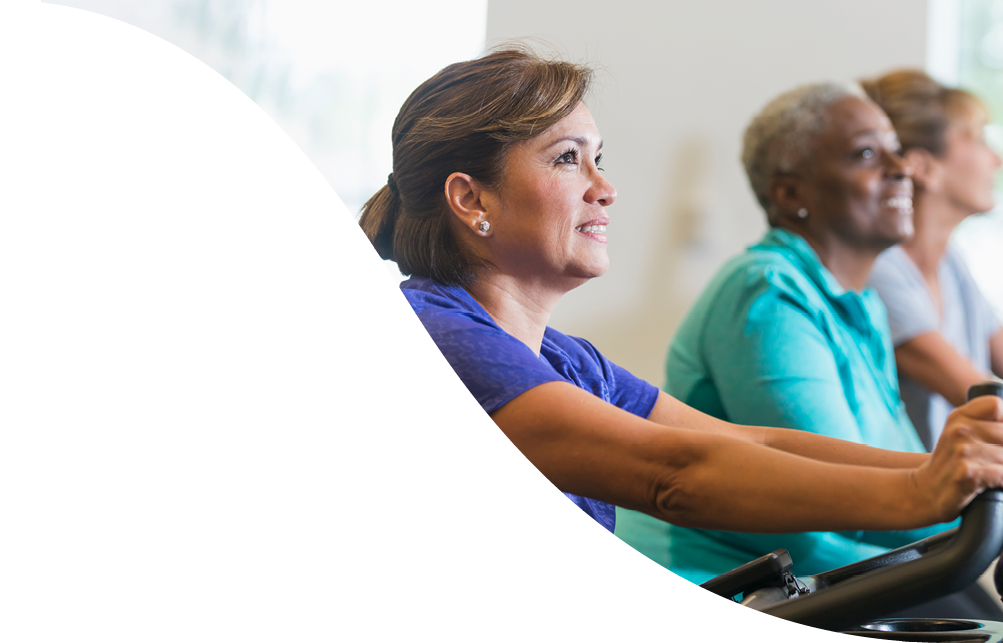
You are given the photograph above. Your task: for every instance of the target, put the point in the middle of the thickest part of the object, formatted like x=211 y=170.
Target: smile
x=601 y=229
x=899 y=203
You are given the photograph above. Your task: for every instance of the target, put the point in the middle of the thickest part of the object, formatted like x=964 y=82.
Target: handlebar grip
x=978 y=390
x=985 y=388
x=942 y=571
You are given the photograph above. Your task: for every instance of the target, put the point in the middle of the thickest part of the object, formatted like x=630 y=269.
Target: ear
x=469 y=201
x=786 y=193
x=927 y=171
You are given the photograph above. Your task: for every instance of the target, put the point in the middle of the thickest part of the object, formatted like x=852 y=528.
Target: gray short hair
x=780 y=139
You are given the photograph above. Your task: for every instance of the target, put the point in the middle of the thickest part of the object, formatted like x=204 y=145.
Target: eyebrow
x=581 y=140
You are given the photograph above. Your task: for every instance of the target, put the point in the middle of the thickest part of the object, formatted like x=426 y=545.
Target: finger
x=987 y=407
x=989 y=476
x=982 y=454
x=965 y=430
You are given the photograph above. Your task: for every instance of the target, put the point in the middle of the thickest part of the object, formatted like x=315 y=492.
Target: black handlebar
x=949 y=562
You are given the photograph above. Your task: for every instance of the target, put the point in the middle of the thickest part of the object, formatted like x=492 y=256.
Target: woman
x=946 y=336
x=786 y=334
x=497 y=207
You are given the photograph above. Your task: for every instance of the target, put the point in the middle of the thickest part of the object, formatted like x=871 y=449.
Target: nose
x=896 y=167
x=601 y=191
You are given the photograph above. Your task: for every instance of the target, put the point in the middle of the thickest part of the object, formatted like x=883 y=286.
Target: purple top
x=496 y=367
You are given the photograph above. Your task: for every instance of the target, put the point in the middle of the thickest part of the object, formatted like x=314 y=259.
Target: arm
x=932 y=362
x=996 y=352
x=588 y=447
x=669 y=411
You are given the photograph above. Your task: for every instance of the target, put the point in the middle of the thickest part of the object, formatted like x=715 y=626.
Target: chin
x=987 y=206
x=584 y=273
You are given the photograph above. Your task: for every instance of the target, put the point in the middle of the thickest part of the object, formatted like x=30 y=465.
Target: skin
x=950 y=188
x=853 y=191
x=678 y=465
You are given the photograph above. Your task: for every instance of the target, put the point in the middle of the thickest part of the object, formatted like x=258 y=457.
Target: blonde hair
x=920 y=108
x=463 y=119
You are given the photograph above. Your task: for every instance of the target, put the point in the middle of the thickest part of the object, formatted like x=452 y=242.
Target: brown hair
x=463 y=119
x=920 y=108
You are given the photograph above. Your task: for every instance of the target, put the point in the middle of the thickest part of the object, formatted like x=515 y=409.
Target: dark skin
x=857 y=192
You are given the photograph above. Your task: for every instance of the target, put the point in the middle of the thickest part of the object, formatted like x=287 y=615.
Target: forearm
x=834 y=451
x=699 y=478
x=738 y=486
x=671 y=412
x=931 y=361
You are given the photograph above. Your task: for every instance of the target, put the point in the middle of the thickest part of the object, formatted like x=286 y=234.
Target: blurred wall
x=678 y=82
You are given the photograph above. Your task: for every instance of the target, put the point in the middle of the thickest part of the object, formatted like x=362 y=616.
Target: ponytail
x=379 y=220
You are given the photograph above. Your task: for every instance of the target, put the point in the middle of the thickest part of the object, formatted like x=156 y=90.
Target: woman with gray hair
x=787 y=335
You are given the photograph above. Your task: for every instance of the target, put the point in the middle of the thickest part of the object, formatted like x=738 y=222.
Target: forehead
x=853 y=116
x=577 y=124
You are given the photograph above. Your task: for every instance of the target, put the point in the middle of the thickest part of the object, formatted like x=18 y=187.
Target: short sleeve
x=623 y=389
x=985 y=322
x=494 y=366
x=911 y=310
x=631 y=393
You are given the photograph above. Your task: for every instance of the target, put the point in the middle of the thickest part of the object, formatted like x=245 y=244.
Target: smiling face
x=857 y=191
x=968 y=165
x=548 y=218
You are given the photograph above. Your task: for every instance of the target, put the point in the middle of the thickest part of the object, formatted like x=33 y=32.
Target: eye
x=598 y=161
x=569 y=157
x=866 y=153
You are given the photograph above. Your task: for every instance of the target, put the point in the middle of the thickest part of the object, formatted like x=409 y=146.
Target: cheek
x=864 y=197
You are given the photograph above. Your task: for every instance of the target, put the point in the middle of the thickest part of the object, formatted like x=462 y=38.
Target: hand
x=968 y=458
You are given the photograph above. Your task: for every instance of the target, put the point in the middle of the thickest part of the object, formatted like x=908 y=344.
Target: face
x=858 y=192
x=548 y=217
x=968 y=165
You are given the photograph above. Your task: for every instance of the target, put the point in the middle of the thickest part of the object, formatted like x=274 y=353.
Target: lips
x=595 y=226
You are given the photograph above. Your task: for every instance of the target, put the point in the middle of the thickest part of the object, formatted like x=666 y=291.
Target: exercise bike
x=853 y=599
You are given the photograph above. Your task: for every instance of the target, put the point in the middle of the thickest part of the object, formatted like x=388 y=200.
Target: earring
x=803 y=213
x=484 y=227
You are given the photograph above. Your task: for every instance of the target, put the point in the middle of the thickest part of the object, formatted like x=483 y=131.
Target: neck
x=850 y=266
x=522 y=310
x=934 y=220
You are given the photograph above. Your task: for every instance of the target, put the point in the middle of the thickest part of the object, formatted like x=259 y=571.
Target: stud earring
x=803 y=213
x=484 y=227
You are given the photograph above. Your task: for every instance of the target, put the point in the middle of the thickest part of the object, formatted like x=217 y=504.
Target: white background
x=219 y=420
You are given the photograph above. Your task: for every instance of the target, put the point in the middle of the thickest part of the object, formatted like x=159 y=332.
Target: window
x=333 y=75
x=965 y=49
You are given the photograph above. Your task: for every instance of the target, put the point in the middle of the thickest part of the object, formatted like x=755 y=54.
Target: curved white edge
x=219 y=419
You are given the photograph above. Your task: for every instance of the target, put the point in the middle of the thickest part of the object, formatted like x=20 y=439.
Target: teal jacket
x=774 y=340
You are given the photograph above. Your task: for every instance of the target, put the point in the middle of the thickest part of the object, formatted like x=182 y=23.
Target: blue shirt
x=774 y=340
x=496 y=367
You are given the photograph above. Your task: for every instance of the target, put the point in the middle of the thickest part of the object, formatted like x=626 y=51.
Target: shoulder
x=761 y=286
x=441 y=307
x=760 y=276
x=893 y=260
x=578 y=361
x=971 y=297
x=894 y=272
x=573 y=352
x=957 y=266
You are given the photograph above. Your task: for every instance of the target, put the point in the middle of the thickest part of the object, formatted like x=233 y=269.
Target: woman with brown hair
x=497 y=207
x=946 y=335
